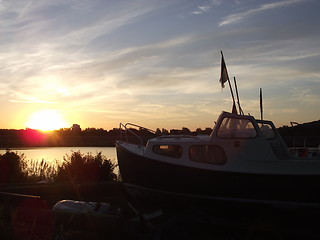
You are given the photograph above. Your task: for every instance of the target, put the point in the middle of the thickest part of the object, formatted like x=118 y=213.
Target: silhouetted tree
x=12 y=167
x=114 y=132
x=158 y=131
x=164 y=131
x=86 y=168
x=208 y=131
x=198 y=131
x=185 y=131
x=174 y=132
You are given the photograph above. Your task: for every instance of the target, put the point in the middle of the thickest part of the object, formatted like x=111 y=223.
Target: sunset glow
x=156 y=63
x=46 y=120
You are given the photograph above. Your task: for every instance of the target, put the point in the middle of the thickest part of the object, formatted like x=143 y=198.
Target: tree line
x=99 y=137
x=76 y=137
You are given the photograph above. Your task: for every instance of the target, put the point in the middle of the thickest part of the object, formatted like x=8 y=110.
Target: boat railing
x=179 y=136
x=128 y=128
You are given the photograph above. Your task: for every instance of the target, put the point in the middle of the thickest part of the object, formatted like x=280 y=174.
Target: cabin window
x=174 y=151
x=207 y=154
x=236 y=128
x=267 y=131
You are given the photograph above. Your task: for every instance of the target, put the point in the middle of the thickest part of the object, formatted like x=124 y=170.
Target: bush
x=12 y=167
x=85 y=168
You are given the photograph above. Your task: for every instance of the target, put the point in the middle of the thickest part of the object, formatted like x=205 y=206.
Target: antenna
x=238 y=100
x=261 y=105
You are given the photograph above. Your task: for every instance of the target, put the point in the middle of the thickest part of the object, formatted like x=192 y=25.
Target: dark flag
x=224 y=73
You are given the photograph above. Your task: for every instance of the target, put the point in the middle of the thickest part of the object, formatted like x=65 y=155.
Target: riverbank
x=63 y=138
x=46 y=140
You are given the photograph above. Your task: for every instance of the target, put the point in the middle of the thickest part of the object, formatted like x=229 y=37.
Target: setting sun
x=46 y=120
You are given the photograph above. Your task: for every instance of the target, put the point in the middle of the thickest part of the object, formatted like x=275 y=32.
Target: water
x=56 y=154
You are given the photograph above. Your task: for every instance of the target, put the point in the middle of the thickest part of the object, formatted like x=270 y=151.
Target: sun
x=46 y=120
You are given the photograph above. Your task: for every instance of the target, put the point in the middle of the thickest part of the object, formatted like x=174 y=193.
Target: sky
x=155 y=63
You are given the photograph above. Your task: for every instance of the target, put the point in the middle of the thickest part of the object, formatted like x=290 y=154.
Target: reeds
x=40 y=171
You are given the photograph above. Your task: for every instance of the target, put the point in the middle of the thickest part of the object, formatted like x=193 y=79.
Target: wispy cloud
x=234 y=18
x=31 y=100
x=202 y=10
x=205 y=8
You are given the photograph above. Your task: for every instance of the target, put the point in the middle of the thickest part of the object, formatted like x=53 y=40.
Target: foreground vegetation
x=77 y=167
x=27 y=217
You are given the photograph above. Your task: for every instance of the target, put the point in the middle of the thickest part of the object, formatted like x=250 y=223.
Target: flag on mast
x=224 y=72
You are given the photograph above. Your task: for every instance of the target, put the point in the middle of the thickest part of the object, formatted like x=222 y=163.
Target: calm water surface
x=56 y=154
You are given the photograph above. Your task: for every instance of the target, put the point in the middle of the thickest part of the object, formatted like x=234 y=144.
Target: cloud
x=202 y=10
x=43 y=39
x=31 y=100
x=206 y=8
x=234 y=18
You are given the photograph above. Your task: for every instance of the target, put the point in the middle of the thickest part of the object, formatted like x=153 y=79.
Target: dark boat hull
x=176 y=180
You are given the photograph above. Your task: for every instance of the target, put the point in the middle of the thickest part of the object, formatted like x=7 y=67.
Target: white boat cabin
x=233 y=135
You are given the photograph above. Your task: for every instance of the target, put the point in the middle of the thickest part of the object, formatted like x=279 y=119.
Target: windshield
x=236 y=128
x=267 y=130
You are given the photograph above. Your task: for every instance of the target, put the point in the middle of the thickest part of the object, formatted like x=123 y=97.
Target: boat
x=243 y=160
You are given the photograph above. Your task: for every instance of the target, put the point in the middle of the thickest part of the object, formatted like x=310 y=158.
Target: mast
x=261 y=106
x=238 y=99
